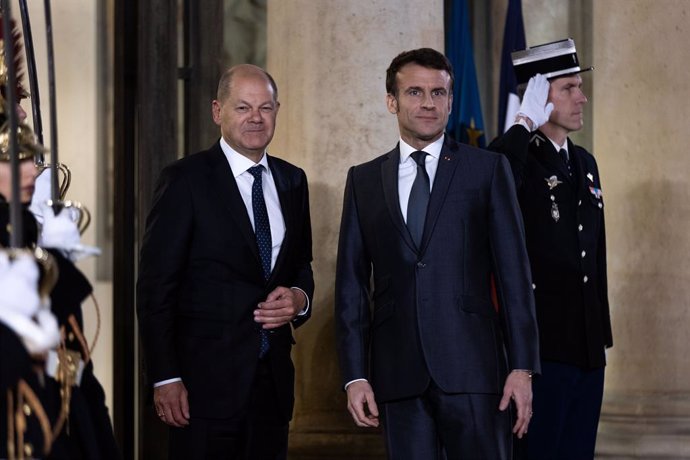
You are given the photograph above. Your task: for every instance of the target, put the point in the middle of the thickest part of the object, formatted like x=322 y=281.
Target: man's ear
x=215 y=111
x=392 y=103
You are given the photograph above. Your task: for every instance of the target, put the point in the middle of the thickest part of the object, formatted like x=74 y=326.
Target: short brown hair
x=425 y=57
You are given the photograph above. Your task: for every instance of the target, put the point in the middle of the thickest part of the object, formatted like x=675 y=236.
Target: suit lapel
x=286 y=205
x=447 y=165
x=389 y=179
x=230 y=198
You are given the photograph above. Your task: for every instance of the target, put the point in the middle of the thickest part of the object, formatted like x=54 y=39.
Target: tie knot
x=256 y=171
x=419 y=157
x=564 y=154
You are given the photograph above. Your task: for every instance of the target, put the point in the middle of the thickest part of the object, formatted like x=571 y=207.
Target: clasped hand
x=280 y=307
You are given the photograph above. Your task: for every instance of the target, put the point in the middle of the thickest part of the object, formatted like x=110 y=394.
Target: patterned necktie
x=419 y=199
x=262 y=230
x=564 y=155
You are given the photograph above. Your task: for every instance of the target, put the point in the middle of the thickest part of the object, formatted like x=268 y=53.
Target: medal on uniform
x=552 y=182
x=555 y=213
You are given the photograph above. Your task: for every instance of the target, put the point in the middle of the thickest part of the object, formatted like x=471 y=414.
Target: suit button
x=579 y=227
x=585 y=279
x=584 y=253
x=579 y=203
x=600 y=205
x=27 y=410
x=421 y=265
x=28 y=450
x=534 y=286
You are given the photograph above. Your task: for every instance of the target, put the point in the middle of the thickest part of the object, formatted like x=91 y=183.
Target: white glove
x=534 y=105
x=61 y=232
x=20 y=306
x=41 y=195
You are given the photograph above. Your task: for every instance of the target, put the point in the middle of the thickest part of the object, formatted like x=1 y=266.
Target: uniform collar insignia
x=552 y=182
x=537 y=139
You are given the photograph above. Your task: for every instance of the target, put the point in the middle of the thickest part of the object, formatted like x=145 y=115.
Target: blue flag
x=513 y=40
x=465 y=123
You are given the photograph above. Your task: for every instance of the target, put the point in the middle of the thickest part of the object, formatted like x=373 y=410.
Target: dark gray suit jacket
x=432 y=314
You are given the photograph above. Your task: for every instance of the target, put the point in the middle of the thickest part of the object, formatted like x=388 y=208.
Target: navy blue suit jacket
x=432 y=315
x=200 y=279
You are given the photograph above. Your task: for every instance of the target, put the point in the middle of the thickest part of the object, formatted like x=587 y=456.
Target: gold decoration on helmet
x=27 y=144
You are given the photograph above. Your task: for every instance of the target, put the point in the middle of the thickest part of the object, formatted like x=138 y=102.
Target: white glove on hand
x=41 y=195
x=534 y=104
x=20 y=305
x=61 y=232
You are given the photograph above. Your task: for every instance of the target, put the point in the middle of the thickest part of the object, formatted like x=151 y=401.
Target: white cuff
x=165 y=382
x=306 y=307
x=353 y=381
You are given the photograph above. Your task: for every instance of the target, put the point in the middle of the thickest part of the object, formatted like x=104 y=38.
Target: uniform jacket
x=90 y=432
x=432 y=316
x=25 y=427
x=200 y=280
x=564 y=223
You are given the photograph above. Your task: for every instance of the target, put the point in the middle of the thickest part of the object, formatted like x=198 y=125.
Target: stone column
x=329 y=60
x=641 y=114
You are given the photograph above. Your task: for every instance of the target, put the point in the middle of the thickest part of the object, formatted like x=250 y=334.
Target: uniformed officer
x=27 y=331
x=73 y=399
x=561 y=198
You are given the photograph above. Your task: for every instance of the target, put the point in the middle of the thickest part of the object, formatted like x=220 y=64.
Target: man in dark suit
x=225 y=273
x=560 y=195
x=428 y=223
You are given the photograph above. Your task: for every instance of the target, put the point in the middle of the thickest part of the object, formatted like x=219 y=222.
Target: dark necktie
x=564 y=155
x=262 y=230
x=419 y=199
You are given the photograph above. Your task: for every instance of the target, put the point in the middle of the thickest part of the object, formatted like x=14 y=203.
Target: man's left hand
x=518 y=387
x=280 y=307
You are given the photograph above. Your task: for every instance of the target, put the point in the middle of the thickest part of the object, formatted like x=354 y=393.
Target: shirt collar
x=238 y=162
x=559 y=147
x=433 y=149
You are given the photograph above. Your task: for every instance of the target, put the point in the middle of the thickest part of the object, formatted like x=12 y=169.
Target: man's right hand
x=170 y=402
x=534 y=103
x=362 y=405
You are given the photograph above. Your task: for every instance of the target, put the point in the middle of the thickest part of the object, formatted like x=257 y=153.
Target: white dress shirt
x=407 y=169
x=240 y=165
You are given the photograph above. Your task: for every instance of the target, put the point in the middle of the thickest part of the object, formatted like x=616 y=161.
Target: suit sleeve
x=162 y=264
x=304 y=276
x=512 y=271
x=514 y=144
x=353 y=271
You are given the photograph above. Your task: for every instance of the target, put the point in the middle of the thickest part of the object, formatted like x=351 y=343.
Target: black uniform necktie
x=262 y=230
x=564 y=155
x=419 y=199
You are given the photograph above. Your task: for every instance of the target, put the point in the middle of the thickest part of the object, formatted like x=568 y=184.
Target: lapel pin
x=446 y=157
x=590 y=177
